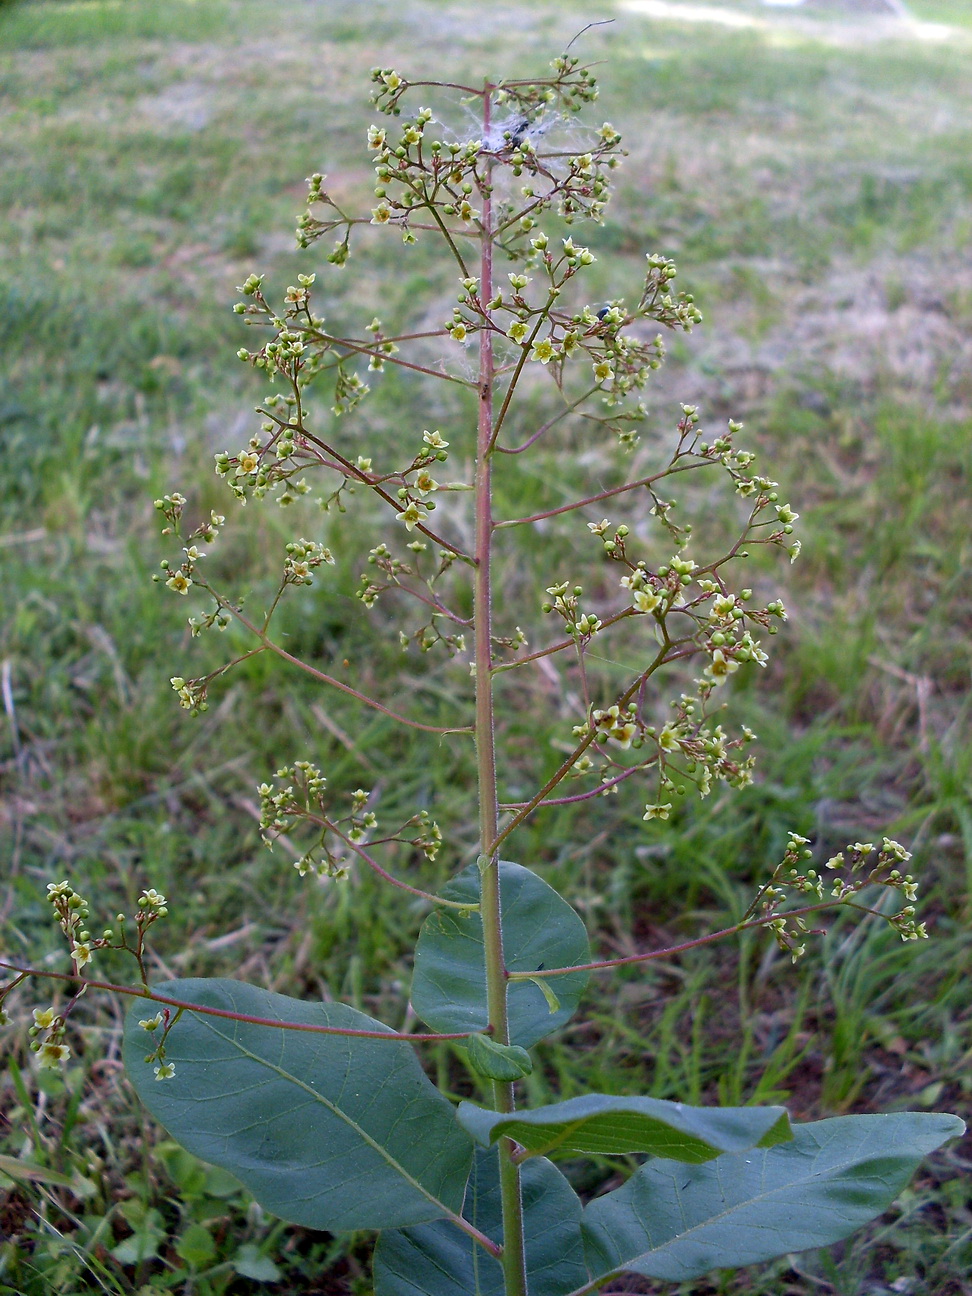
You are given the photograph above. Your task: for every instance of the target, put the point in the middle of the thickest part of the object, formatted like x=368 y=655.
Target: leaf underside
x=540 y=929
x=676 y=1222
x=328 y=1131
x=600 y=1124
x=438 y=1260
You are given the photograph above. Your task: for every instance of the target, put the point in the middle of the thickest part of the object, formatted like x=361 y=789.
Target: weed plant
x=320 y=1110
x=866 y=727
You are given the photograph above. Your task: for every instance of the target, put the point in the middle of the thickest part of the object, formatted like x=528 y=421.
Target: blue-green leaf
x=677 y=1222
x=438 y=1260
x=329 y=1131
x=599 y=1124
x=539 y=930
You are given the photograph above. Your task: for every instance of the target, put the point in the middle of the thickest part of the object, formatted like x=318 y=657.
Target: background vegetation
x=810 y=171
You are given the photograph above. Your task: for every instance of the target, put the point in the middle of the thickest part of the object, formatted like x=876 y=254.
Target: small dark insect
x=518 y=132
x=603 y=311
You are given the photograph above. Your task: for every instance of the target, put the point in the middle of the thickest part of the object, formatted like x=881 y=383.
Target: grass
x=816 y=192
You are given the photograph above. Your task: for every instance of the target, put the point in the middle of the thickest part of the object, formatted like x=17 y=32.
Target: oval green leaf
x=329 y=1131
x=539 y=930
x=677 y=1222
x=603 y=1125
x=497 y=1061
x=437 y=1260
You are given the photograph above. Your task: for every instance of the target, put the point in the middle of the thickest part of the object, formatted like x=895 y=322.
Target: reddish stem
x=154 y=997
x=677 y=949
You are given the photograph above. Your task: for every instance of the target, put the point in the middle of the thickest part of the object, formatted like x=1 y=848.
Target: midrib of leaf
x=607 y=1133
x=335 y=1110
x=556 y=1140
x=711 y=1219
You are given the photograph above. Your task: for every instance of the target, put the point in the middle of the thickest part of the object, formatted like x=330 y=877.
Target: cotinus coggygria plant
x=324 y=1113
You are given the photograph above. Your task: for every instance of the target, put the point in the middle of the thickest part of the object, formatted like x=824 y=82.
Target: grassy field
x=812 y=175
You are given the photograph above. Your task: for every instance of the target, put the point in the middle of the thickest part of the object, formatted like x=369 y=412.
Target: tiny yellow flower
x=668 y=739
x=411 y=516
x=426 y=483
x=51 y=1056
x=658 y=811
x=722 y=606
x=179 y=582
x=624 y=733
x=721 y=667
x=645 y=600
x=82 y=953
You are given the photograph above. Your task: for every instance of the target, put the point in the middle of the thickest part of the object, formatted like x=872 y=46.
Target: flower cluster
x=550 y=336
x=303 y=556
x=165 y=1019
x=180 y=579
x=854 y=868
x=300 y=796
x=564 y=600
x=192 y=694
x=47 y=1039
x=71 y=911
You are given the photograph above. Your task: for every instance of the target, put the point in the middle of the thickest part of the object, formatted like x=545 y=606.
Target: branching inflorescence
x=502 y=960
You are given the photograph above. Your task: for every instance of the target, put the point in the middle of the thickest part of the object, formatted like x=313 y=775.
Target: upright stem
x=514 y=1261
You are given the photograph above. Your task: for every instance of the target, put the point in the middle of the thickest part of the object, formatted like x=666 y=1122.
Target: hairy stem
x=514 y=1261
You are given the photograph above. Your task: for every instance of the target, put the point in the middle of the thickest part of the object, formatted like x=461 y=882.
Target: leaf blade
x=328 y=1131
x=539 y=927
x=606 y=1125
x=437 y=1260
x=675 y=1222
